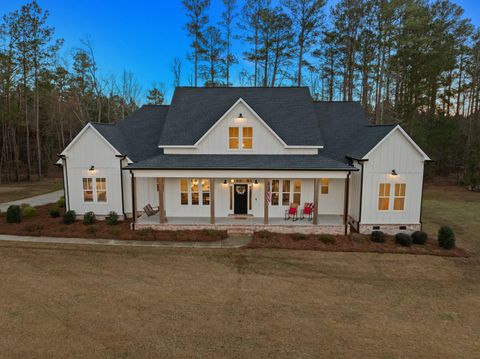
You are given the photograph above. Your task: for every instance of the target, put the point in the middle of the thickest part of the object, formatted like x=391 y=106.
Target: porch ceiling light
x=224 y=181
x=255 y=182
x=232 y=180
x=394 y=173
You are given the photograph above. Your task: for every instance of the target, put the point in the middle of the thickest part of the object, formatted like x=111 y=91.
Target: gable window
x=247 y=138
x=205 y=192
x=324 y=185
x=101 y=187
x=399 y=198
x=286 y=193
x=383 y=196
x=194 y=190
x=297 y=191
x=184 y=191
x=233 y=137
x=275 y=192
x=88 y=189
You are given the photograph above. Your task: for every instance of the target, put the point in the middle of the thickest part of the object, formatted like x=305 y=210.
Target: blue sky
x=140 y=36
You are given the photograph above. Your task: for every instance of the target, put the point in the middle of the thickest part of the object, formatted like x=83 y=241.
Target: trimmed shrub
x=326 y=238
x=419 y=237
x=404 y=239
x=69 y=217
x=377 y=237
x=29 y=212
x=54 y=212
x=446 y=237
x=14 y=214
x=298 y=236
x=61 y=202
x=89 y=218
x=112 y=218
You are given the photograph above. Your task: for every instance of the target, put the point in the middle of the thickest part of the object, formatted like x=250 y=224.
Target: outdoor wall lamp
x=240 y=117
x=91 y=169
x=394 y=173
x=255 y=182
x=224 y=181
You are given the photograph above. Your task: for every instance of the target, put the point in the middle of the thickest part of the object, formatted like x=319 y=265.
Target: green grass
x=17 y=191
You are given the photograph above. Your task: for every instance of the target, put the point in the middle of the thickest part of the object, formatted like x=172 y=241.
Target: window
x=247 y=138
x=88 y=189
x=324 y=185
x=275 y=192
x=184 y=191
x=101 y=186
x=297 y=191
x=233 y=134
x=384 y=196
x=399 y=199
x=286 y=193
x=194 y=190
x=205 y=192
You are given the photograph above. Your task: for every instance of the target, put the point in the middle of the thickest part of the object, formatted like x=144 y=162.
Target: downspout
x=361 y=197
x=122 y=157
x=65 y=182
x=134 y=206
x=421 y=197
x=347 y=197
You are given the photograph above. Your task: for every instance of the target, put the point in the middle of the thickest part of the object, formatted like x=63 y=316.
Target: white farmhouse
x=248 y=159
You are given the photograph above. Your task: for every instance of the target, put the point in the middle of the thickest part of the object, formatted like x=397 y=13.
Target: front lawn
x=17 y=191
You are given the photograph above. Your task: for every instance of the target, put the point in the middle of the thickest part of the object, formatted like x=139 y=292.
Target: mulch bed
x=352 y=243
x=44 y=225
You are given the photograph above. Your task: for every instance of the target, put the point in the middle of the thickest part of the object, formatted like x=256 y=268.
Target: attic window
x=233 y=137
x=247 y=139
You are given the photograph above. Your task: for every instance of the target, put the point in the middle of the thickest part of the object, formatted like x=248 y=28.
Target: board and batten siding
x=397 y=153
x=264 y=141
x=91 y=149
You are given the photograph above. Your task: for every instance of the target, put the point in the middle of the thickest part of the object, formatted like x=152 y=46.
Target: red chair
x=292 y=212
x=308 y=210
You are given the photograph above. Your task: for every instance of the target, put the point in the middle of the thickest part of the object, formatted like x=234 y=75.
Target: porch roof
x=242 y=162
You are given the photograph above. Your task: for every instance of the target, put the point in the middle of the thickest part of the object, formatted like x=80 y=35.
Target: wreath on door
x=240 y=189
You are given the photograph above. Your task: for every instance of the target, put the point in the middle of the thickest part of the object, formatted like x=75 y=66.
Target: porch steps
x=240 y=230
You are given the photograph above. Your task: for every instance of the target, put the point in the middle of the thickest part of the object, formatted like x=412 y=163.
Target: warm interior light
x=255 y=182
x=232 y=180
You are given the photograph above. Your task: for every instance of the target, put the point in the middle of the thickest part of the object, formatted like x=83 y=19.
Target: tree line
x=415 y=62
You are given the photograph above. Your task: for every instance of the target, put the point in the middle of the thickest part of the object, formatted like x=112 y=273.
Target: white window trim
x=200 y=192
x=281 y=192
x=240 y=140
x=94 y=190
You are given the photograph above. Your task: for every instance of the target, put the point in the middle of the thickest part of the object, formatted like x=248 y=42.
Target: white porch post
x=161 y=199
x=212 y=200
x=315 y=201
x=266 y=183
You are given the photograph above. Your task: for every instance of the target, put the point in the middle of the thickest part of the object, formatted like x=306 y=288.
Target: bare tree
x=176 y=71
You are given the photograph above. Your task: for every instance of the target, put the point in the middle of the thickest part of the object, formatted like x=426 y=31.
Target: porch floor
x=329 y=219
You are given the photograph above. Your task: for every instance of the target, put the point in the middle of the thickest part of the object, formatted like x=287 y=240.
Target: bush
x=419 y=237
x=54 y=211
x=298 y=236
x=112 y=218
x=69 y=217
x=61 y=202
x=89 y=218
x=14 y=214
x=377 y=237
x=29 y=212
x=404 y=239
x=326 y=238
x=446 y=237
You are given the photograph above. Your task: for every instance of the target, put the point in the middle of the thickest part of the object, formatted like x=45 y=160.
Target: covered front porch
x=241 y=202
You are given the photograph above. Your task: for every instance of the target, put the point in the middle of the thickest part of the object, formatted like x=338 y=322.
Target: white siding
x=354 y=200
x=397 y=153
x=91 y=149
x=264 y=141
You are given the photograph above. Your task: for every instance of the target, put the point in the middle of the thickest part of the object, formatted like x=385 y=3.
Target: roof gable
x=287 y=111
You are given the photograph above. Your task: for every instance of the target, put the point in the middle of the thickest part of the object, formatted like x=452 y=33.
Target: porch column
x=212 y=200
x=161 y=199
x=315 y=201
x=134 y=199
x=346 y=196
x=266 y=184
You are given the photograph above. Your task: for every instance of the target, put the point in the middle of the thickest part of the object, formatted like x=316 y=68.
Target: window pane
x=184 y=198
x=399 y=204
x=233 y=143
x=383 y=203
x=205 y=185
x=296 y=198
x=183 y=185
x=87 y=183
x=101 y=183
x=206 y=198
x=297 y=186
x=324 y=185
x=285 y=199
x=233 y=131
x=247 y=132
x=275 y=185
x=102 y=196
x=195 y=198
x=274 y=199
x=88 y=196
x=194 y=185
x=286 y=186
x=247 y=143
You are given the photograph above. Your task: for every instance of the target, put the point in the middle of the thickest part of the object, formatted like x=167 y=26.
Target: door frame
x=247 y=197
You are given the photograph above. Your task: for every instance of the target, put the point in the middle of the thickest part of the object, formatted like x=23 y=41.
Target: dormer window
x=234 y=139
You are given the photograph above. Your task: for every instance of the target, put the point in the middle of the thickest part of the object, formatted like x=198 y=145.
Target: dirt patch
x=351 y=243
x=44 y=225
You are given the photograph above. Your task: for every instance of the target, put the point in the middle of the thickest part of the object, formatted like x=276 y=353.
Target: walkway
x=36 y=200
x=230 y=242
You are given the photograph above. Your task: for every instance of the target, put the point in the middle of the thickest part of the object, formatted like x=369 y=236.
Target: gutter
x=122 y=158
x=361 y=196
x=134 y=205
x=239 y=169
x=65 y=182
x=423 y=188
x=347 y=199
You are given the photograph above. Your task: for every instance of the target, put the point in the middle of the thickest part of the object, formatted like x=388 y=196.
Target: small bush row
x=446 y=238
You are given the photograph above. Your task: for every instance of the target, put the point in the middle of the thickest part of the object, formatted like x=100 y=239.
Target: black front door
x=240 y=195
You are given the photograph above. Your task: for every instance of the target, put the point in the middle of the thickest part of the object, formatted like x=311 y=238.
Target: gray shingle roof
x=286 y=110
x=232 y=162
x=366 y=139
x=137 y=135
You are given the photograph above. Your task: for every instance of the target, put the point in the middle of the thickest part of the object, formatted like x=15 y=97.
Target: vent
x=403 y=228
x=376 y=228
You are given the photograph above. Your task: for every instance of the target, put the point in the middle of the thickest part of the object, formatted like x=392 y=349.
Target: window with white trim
x=275 y=192
x=88 y=189
x=324 y=182
x=233 y=137
x=94 y=189
x=297 y=191
x=194 y=192
x=205 y=192
x=384 y=196
x=286 y=193
x=101 y=187
x=247 y=138
x=399 y=196
x=184 y=191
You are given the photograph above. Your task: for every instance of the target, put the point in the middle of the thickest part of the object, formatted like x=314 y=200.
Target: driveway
x=36 y=200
